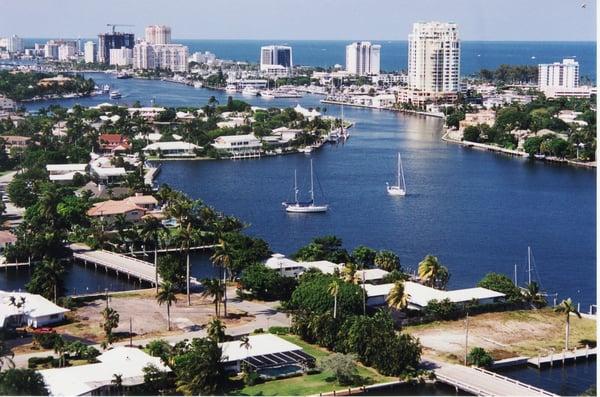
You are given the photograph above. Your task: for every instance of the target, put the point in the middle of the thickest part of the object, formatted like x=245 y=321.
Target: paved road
x=265 y=316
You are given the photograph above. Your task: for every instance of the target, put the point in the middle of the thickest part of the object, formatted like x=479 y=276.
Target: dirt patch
x=507 y=334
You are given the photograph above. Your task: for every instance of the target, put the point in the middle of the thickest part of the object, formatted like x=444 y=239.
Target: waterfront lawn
x=307 y=384
x=505 y=334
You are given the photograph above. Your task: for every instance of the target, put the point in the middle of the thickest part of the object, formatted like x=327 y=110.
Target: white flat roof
x=109 y=171
x=279 y=261
x=65 y=167
x=324 y=266
x=420 y=294
x=235 y=138
x=82 y=379
x=259 y=345
x=371 y=274
x=171 y=146
x=35 y=306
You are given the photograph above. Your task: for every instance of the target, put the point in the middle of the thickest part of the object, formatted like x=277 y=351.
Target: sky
x=520 y=20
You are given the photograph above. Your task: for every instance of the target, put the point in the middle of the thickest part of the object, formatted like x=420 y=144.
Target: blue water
x=570 y=380
x=477 y=211
x=475 y=55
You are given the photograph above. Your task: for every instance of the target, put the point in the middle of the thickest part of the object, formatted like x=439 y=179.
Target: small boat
x=304 y=207
x=539 y=156
x=306 y=149
x=399 y=189
x=123 y=75
x=250 y=91
x=231 y=88
x=116 y=94
x=105 y=88
x=268 y=94
x=198 y=84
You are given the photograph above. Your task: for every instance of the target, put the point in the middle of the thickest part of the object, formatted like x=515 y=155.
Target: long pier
x=132 y=267
x=482 y=382
x=566 y=356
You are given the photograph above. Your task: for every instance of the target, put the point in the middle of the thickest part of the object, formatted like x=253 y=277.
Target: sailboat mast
x=398 y=172
x=312 y=187
x=402 y=173
x=529 y=264
x=295 y=187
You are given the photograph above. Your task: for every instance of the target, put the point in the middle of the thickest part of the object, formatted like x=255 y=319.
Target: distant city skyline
x=493 y=20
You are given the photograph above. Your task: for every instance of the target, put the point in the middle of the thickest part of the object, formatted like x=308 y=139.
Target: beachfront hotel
x=362 y=58
x=158 y=34
x=434 y=57
x=276 y=60
x=561 y=79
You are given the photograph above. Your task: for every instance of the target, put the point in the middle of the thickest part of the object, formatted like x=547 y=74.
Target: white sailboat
x=399 y=189
x=304 y=207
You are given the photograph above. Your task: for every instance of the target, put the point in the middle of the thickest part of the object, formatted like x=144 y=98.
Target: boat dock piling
x=564 y=357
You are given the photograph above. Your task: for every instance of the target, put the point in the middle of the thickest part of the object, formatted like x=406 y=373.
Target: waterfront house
x=239 y=146
x=35 y=311
x=147 y=202
x=264 y=351
x=65 y=173
x=97 y=378
x=371 y=276
x=286 y=134
x=171 y=149
x=100 y=191
x=290 y=268
x=474 y=119
x=308 y=113
x=7 y=104
x=108 y=211
x=6 y=239
x=420 y=295
x=107 y=175
x=113 y=143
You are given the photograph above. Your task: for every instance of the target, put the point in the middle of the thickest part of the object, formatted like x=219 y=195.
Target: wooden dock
x=121 y=264
x=482 y=382
x=564 y=357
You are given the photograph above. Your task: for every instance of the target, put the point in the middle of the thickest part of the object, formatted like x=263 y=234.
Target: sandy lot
x=148 y=319
x=508 y=334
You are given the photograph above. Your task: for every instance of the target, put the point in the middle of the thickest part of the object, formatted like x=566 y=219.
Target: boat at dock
x=231 y=88
x=398 y=189
x=116 y=94
x=250 y=91
x=105 y=89
x=304 y=207
x=123 y=75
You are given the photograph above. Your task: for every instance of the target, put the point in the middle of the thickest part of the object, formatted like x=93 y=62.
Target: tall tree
x=432 y=273
x=22 y=382
x=398 y=297
x=167 y=294
x=222 y=257
x=198 y=369
x=214 y=288
x=110 y=321
x=567 y=308
x=334 y=290
x=216 y=330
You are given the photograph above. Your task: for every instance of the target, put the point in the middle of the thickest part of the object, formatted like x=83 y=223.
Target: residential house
x=34 y=311
x=65 y=173
x=171 y=149
x=113 y=143
x=239 y=146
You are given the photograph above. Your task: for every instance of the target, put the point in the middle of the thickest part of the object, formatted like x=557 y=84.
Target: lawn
x=308 y=384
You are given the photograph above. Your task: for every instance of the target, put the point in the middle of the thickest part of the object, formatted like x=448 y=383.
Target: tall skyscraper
x=434 y=57
x=158 y=34
x=173 y=57
x=15 y=44
x=559 y=75
x=89 y=52
x=363 y=58
x=109 y=41
x=276 y=55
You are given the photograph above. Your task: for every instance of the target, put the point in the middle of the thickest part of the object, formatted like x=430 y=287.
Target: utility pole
x=130 y=333
x=466 y=337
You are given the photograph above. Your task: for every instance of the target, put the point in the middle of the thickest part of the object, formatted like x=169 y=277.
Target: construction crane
x=116 y=24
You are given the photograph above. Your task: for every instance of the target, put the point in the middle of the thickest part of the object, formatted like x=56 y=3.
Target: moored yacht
x=304 y=207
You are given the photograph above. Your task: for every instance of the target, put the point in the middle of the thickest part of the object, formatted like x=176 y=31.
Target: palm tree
x=245 y=343
x=432 y=273
x=186 y=235
x=567 y=307
x=167 y=294
x=398 y=298
x=222 y=258
x=117 y=382
x=213 y=288
x=349 y=273
x=151 y=232
x=216 y=330
x=533 y=296
x=334 y=290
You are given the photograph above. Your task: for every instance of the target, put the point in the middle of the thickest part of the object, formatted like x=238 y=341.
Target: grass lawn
x=307 y=384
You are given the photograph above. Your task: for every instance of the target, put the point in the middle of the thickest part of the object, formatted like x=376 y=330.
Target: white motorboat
x=306 y=149
x=304 y=207
x=399 y=189
x=231 y=88
x=116 y=94
x=105 y=89
x=250 y=91
x=267 y=94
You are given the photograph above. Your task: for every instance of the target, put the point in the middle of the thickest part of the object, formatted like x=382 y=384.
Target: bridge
x=482 y=382
x=121 y=264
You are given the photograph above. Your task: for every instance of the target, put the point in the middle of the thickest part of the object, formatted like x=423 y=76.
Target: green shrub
x=279 y=330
